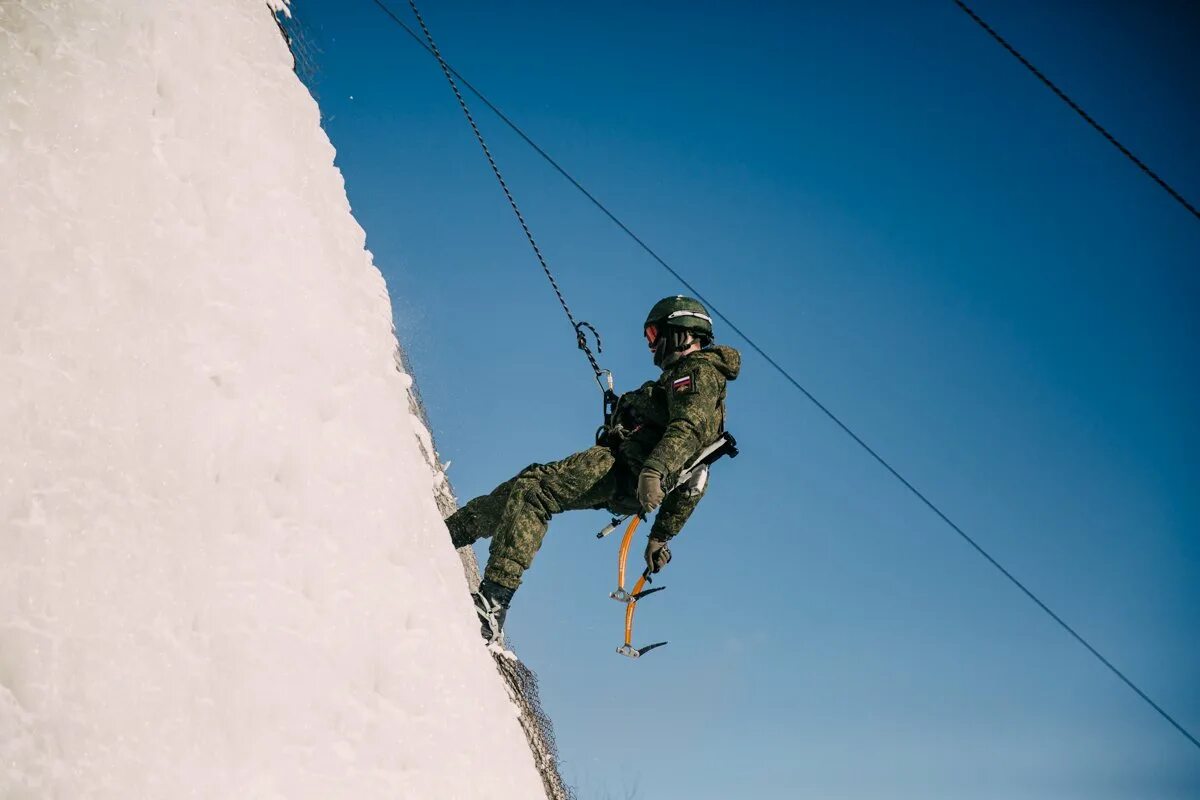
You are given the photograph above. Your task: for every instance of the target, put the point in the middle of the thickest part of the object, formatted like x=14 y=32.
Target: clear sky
x=935 y=246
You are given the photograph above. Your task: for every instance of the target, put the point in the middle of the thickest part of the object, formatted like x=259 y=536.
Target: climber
x=655 y=432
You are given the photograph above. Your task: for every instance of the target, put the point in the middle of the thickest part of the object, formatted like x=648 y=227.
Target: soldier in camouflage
x=656 y=431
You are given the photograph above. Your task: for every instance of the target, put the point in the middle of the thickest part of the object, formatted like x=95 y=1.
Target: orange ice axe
x=630 y=598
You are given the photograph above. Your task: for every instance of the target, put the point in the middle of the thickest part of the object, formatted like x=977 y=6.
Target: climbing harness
x=724 y=445
x=604 y=378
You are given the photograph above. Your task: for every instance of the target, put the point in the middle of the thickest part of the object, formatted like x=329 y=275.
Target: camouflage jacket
x=664 y=424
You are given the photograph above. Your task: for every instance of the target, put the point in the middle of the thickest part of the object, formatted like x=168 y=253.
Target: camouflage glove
x=658 y=555
x=650 y=489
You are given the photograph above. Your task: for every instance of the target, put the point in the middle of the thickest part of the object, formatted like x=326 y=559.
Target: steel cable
x=1077 y=109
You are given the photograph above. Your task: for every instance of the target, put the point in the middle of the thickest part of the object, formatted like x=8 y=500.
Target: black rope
x=796 y=384
x=580 y=335
x=1076 y=108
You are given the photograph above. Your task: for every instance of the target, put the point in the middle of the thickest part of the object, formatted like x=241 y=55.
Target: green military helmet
x=681 y=312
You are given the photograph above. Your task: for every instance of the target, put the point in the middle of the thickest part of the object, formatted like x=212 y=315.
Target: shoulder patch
x=684 y=384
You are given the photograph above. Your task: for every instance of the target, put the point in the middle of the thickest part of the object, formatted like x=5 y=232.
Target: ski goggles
x=651 y=332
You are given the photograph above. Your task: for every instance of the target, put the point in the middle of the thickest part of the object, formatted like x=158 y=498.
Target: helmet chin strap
x=671 y=342
x=660 y=350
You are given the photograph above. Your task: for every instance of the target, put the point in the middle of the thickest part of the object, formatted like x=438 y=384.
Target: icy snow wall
x=222 y=572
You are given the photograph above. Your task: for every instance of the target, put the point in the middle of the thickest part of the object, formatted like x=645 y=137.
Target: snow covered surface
x=222 y=571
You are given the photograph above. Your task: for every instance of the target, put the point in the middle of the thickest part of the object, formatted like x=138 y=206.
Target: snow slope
x=222 y=572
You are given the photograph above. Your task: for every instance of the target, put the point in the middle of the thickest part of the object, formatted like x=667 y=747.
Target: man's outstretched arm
x=676 y=509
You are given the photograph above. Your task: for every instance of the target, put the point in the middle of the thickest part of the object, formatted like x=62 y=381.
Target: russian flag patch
x=683 y=384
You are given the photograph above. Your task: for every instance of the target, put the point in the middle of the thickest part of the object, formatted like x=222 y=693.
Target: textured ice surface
x=222 y=572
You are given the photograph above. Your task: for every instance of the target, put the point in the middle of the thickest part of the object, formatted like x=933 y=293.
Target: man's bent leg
x=478 y=519
x=583 y=480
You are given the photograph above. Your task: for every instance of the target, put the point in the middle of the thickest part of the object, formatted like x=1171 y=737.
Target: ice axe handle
x=729 y=448
x=610 y=527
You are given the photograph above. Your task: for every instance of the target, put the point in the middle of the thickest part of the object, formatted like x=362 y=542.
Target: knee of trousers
x=531 y=492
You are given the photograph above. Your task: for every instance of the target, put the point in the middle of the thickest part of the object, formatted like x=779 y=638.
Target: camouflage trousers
x=517 y=513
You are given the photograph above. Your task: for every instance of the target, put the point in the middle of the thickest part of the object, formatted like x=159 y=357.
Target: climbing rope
x=580 y=327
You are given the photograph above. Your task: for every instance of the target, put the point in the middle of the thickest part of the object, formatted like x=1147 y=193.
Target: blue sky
x=937 y=248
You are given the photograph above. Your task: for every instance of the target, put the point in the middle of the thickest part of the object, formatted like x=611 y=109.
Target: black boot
x=459 y=539
x=460 y=535
x=491 y=604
